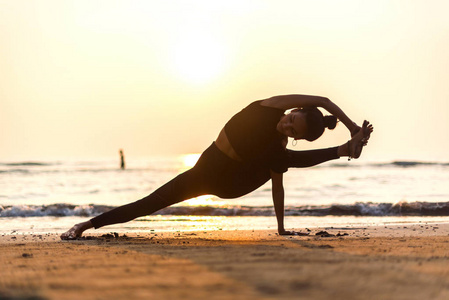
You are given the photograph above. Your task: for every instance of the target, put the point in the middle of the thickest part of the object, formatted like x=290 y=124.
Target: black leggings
x=214 y=174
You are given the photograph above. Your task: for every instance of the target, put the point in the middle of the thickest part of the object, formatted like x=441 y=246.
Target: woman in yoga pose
x=249 y=151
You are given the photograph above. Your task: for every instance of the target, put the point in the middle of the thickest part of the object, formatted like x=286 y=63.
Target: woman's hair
x=316 y=122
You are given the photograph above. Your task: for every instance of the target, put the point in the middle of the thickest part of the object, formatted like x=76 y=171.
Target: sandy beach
x=389 y=262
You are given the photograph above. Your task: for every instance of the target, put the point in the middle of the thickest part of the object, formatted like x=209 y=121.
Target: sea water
x=51 y=195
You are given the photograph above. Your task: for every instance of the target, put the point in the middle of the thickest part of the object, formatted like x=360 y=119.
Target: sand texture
x=398 y=262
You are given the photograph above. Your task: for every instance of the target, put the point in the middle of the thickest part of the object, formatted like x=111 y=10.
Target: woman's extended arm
x=295 y=101
x=277 y=190
x=278 y=201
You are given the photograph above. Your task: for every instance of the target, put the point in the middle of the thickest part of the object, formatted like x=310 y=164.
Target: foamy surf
x=357 y=209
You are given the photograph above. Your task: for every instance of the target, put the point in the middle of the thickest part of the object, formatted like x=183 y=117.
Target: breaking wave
x=357 y=209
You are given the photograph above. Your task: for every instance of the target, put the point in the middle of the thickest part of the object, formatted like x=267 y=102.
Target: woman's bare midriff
x=223 y=144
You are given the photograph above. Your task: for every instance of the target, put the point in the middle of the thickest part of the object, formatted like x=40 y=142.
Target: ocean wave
x=55 y=210
x=407 y=164
x=28 y=164
x=71 y=170
x=417 y=163
x=95 y=168
x=357 y=209
x=398 y=163
x=74 y=168
x=23 y=171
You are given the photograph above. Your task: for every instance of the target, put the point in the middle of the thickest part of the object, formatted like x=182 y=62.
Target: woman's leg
x=240 y=180
x=184 y=186
x=308 y=158
x=203 y=178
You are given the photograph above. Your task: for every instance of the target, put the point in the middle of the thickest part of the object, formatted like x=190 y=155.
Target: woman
x=250 y=150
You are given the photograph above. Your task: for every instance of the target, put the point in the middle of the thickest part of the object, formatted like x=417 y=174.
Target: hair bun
x=330 y=122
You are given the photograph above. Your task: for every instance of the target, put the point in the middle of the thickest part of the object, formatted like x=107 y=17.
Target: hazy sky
x=85 y=78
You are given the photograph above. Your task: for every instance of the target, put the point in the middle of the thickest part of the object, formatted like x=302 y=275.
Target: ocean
x=50 y=196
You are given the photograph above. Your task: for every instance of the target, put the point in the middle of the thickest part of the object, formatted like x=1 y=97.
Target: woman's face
x=293 y=125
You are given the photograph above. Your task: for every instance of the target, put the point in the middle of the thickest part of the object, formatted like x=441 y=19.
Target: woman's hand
x=355 y=129
x=286 y=232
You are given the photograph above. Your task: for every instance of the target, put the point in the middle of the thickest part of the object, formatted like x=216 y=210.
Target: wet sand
x=393 y=262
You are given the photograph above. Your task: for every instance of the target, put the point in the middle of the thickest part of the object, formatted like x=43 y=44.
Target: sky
x=87 y=78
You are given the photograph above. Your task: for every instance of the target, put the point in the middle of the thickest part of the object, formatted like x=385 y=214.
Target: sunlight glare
x=198 y=56
x=189 y=160
x=205 y=200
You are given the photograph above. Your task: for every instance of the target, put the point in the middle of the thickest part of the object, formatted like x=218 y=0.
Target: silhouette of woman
x=249 y=151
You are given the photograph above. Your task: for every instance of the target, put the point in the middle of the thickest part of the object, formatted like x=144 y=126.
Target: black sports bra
x=253 y=135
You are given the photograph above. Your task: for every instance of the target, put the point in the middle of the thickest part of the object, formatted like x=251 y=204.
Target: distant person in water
x=249 y=151
x=122 y=160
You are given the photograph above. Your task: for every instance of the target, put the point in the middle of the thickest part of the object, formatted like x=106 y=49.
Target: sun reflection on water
x=189 y=160
x=206 y=200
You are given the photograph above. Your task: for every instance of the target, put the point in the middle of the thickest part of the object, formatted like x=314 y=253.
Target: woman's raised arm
x=297 y=101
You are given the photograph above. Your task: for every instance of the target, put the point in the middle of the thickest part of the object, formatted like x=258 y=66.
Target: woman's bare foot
x=76 y=231
x=353 y=148
x=355 y=145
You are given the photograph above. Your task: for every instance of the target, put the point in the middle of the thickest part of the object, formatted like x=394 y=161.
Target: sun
x=198 y=56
